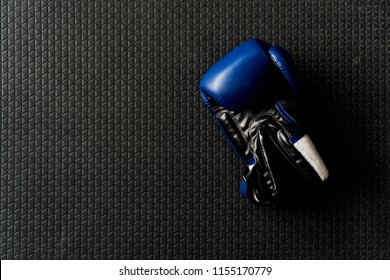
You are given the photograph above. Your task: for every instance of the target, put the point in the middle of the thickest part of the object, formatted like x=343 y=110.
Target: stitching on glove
x=273 y=117
x=239 y=129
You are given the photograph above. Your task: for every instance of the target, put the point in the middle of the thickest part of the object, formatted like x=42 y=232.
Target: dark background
x=108 y=153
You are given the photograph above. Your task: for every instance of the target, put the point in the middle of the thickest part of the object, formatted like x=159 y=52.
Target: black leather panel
x=235 y=134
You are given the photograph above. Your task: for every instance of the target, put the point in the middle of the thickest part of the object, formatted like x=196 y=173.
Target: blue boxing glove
x=253 y=93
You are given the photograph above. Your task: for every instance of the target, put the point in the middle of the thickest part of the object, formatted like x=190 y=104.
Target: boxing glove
x=254 y=94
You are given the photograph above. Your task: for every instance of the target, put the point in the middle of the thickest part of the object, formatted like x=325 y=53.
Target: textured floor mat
x=108 y=153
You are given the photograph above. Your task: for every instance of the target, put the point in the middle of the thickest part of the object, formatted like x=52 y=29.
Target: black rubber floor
x=108 y=153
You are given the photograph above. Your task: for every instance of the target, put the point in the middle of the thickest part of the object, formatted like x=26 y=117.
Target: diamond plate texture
x=108 y=153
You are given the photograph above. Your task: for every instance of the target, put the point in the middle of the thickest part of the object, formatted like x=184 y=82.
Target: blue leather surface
x=286 y=65
x=243 y=189
x=238 y=80
x=296 y=137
